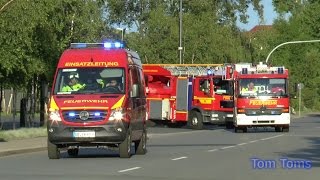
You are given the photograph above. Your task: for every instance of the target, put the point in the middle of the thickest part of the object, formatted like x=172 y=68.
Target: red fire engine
x=193 y=93
x=261 y=96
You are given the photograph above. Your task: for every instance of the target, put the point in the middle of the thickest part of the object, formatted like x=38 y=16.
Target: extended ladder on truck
x=185 y=69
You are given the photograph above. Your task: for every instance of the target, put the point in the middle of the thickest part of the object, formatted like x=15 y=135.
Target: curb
x=22 y=151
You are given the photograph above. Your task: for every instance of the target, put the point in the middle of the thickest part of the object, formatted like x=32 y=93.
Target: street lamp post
x=300 y=85
x=180 y=48
x=290 y=42
x=122 y=32
x=2 y=8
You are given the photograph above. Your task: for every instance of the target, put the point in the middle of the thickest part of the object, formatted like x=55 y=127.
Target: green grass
x=23 y=133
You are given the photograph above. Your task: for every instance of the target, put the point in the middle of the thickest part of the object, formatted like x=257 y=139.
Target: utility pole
x=300 y=86
x=122 y=32
x=180 y=33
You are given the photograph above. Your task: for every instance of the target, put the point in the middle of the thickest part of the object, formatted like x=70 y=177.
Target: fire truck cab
x=191 y=94
x=98 y=100
x=261 y=97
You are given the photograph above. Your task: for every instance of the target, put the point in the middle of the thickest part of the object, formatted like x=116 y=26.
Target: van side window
x=135 y=76
x=142 y=83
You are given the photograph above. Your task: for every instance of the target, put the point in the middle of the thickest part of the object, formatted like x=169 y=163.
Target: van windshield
x=90 y=81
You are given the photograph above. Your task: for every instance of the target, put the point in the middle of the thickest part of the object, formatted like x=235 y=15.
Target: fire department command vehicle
x=188 y=93
x=261 y=97
x=98 y=100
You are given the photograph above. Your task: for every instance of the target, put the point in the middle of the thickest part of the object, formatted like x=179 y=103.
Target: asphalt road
x=213 y=153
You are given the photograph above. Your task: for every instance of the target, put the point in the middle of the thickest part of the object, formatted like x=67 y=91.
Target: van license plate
x=84 y=134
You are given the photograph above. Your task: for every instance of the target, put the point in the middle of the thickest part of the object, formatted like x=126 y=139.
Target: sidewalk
x=23 y=146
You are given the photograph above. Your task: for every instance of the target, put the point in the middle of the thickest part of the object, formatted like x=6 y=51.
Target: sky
x=269 y=16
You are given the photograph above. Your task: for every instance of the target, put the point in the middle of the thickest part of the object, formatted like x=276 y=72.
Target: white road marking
x=271 y=137
x=241 y=144
x=175 y=159
x=212 y=150
x=130 y=169
x=227 y=147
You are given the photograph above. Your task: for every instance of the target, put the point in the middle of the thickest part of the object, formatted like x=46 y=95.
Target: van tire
x=195 y=120
x=141 y=145
x=53 y=151
x=125 y=146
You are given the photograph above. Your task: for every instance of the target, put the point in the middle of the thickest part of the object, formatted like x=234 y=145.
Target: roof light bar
x=107 y=45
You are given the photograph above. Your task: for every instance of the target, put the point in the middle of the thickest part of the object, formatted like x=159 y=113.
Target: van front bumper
x=58 y=133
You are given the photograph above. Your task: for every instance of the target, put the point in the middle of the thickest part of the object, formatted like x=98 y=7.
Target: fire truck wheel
x=195 y=120
x=73 y=152
x=125 y=146
x=53 y=151
x=141 y=145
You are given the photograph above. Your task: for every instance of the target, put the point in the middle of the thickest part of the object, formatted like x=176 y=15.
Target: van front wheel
x=125 y=146
x=53 y=151
x=141 y=145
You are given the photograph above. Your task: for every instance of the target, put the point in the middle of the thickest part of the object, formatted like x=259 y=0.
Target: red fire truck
x=261 y=97
x=188 y=93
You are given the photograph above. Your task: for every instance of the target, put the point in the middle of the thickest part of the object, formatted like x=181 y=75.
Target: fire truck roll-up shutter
x=154 y=109
x=156 y=106
x=182 y=94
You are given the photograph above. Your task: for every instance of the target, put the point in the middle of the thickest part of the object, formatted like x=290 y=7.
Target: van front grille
x=84 y=115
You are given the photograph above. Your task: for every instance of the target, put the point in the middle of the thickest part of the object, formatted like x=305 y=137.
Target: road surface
x=213 y=153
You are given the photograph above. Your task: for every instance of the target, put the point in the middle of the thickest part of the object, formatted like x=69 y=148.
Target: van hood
x=110 y=101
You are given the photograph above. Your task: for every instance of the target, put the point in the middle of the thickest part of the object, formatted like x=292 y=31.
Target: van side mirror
x=135 y=91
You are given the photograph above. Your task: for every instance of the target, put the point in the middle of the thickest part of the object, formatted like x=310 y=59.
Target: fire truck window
x=222 y=87
x=204 y=85
x=263 y=87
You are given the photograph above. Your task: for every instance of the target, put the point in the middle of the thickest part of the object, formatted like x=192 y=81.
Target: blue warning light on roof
x=210 y=72
x=115 y=45
x=106 y=45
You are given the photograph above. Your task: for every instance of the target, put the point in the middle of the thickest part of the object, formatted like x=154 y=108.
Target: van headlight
x=116 y=115
x=55 y=115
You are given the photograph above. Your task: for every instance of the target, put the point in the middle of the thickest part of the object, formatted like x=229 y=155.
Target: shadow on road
x=309 y=154
x=93 y=153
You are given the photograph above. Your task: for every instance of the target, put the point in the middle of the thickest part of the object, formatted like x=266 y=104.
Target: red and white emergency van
x=261 y=96
x=98 y=99
x=188 y=93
